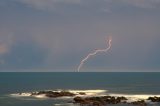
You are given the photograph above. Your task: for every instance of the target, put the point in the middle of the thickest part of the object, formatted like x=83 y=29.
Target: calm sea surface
x=120 y=83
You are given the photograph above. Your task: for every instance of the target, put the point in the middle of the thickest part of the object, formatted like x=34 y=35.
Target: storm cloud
x=56 y=34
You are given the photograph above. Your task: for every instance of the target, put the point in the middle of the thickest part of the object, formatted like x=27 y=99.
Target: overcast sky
x=55 y=35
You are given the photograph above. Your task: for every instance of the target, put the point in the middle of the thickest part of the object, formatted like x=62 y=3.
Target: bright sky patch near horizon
x=56 y=34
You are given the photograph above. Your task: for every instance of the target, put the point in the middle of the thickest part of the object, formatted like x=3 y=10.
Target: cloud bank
x=101 y=5
x=57 y=34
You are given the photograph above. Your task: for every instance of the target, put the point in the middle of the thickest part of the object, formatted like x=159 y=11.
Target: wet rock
x=94 y=101
x=82 y=93
x=122 y=98
x=78 y=99
x=64 y=93
x=104 y=100
x=99 y=101
x=154 y=99
x=113 y=100
x=139 y=103
x=82 y=101
x=52 y=94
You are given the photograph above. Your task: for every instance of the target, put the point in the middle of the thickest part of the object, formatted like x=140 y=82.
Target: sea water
x=128 y=84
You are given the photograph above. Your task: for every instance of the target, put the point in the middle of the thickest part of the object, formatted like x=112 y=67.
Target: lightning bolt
x=95 y=52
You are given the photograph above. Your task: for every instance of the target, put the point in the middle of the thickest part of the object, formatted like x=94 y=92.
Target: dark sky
x=55 y=35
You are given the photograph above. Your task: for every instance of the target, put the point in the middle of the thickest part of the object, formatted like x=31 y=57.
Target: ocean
x=132 y=84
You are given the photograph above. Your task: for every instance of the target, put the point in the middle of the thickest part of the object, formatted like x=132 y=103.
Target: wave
x=21 y=94
x=76 y=92
x=88 y=93
x=135 y=97
x=138 y=96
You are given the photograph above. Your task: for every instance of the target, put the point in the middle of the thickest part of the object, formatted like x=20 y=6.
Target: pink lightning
x=94 y=53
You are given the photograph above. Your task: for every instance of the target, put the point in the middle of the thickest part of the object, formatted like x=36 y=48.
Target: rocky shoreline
x=82 y=98
x=104 y=100
x=54 y=94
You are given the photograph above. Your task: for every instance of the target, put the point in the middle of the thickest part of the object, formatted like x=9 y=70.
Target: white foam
x=89 y=92
x=42 y=96
x=96 y=92
x=134 y=97
x=21 y=94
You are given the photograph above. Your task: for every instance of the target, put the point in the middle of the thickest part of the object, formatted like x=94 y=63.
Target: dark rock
x=140 y=103
x=82 y=93
x=64 y=93
x=122 y=98
x=52 y=94
x=154 y=99
x=82 y=101
x=78 y=99
x=99 y=101
x=95 y=101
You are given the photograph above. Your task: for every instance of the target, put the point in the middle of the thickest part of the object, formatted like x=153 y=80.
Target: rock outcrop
x=82 y=98
x=154 y=99
x=104 y=100
x=99 y=101
x=53 y=94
